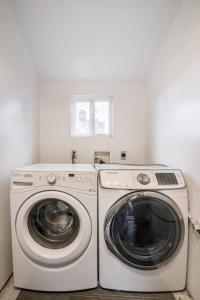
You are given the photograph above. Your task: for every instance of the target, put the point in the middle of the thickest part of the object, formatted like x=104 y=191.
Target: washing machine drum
x=145 y=230
x=53 y=228
x=53 y=223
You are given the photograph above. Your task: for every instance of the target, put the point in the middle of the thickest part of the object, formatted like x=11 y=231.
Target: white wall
x=94 y=39
x=174 y=115
x=19 y=111
x=129 y=121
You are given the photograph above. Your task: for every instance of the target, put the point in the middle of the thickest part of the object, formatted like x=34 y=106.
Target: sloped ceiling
x=94 y=39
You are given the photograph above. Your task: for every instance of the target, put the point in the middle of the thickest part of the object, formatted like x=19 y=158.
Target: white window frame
x=91 y=100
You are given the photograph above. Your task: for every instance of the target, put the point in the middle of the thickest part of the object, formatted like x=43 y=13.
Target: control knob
x=51 y=179
x=143 y=178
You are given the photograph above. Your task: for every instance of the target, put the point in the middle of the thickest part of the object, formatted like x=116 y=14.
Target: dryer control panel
x=85 y=181
x=142 y=179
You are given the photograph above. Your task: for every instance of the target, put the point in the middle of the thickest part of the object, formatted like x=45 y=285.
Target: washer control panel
x=85 y=181
x=142 y=179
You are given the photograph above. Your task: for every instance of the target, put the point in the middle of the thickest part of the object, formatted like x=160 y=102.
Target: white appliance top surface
x=128 y=166
x=57 y=168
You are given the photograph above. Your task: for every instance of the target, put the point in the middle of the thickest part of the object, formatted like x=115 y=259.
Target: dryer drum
x=145 y=230
x=53 y=223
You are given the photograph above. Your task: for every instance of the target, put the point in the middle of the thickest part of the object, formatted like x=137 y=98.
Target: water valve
x=74 y=156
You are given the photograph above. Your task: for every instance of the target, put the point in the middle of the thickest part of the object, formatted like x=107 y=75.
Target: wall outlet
x=123 y=155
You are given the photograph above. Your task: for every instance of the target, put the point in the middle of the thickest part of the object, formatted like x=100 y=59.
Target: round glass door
x=53 y=223
x=53 y=228
x=144 y=229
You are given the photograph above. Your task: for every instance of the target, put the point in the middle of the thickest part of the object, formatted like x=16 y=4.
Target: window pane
x=102 y=117
x=82 y=118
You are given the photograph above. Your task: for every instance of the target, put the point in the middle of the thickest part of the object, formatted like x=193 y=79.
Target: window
x=91 y=116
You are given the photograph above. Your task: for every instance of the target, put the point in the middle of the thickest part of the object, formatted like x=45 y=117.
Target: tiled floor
x=10 y=293
x=182 y=296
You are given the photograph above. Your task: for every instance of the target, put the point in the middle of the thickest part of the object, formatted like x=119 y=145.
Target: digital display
x=166 y=178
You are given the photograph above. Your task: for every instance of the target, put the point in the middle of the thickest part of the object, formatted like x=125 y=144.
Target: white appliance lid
x=116 y=166
x=57 y=168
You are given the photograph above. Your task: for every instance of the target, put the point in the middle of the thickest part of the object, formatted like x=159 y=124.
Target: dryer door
x=53 y=228
x=144 y=229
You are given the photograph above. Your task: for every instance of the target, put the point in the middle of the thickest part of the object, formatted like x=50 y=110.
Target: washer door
x=144 y=229
x=53 y=228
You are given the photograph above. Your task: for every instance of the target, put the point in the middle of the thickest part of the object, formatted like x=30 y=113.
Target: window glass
x=101 y=117
x=91 y=116
x=82 y=118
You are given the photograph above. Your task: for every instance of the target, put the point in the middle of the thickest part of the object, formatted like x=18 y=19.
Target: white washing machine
x=54 y=227
x=143 y=229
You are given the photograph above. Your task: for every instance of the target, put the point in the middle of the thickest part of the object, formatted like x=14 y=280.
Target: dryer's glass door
x=53 y=223
x=144 y=229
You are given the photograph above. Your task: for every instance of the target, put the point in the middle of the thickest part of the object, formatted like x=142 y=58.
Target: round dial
x=51 y=179
x=143 y=178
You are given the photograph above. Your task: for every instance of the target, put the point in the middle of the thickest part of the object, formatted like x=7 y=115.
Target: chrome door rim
x=136 y=195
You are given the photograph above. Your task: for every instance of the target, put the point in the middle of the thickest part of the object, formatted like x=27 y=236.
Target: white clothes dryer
x=54 y=227
x=143 y=229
